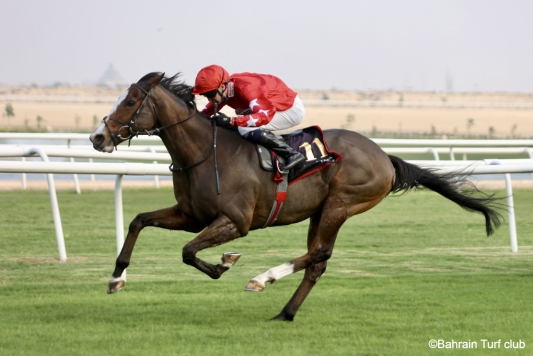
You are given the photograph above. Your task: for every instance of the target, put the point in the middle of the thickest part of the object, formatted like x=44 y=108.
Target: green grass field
x=413 y=269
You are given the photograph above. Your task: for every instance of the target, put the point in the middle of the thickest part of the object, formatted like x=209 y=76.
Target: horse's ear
x=154 y=81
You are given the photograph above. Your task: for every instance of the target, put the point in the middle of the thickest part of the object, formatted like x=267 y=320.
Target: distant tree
x=513 y=130
x=77 y=119
x=9 y=113
x=95 y=120
x=39 y=120
x=325 y=96
x=469 y=124
x=350 y=119
x=492 y=131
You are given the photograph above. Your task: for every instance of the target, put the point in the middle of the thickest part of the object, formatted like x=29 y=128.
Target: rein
x=131 y=134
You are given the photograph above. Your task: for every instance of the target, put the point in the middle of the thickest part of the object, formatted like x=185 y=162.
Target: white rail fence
x=118 y=169
x=69 y=137
x=87 y=152
x=435 y=147
x=159 y=154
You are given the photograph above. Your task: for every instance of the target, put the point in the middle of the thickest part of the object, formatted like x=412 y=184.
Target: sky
x=445 y=45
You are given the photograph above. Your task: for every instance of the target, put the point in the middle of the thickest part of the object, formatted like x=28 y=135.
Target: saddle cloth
x=310 y=142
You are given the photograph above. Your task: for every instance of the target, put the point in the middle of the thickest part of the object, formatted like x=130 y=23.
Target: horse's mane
x=176 y=87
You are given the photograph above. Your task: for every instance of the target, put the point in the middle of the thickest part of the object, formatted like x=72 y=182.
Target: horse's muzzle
x=98 y=139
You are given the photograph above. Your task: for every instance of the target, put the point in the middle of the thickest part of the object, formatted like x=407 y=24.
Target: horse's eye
x=130 y=103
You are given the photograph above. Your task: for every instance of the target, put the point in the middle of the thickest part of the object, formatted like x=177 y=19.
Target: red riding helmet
x=209 y=78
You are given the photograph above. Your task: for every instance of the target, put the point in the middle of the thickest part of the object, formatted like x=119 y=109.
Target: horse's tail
x=454 y=186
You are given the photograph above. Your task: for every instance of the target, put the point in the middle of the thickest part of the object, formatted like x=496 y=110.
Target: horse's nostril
x=97 y=139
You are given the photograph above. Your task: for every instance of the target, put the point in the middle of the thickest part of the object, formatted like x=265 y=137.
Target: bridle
x=129 y=126
x=155 y=131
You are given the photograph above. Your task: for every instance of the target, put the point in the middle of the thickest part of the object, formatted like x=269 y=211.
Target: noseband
x=129 y=126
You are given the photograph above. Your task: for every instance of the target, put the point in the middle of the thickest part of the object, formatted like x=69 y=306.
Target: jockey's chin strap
x=222 y=96
x=130 y=134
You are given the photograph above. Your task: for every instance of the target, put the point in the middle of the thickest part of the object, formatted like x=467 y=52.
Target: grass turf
x=414 y=268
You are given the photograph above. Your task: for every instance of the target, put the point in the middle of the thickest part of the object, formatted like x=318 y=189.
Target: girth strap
x=281 y=196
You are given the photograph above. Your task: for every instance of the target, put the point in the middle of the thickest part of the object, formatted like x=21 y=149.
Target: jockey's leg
x=278 y=145
x=282 y=120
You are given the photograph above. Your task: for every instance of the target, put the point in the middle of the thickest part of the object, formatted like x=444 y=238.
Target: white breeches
x=282 y=120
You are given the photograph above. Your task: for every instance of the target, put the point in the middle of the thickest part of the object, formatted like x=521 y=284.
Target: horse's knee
x=188 y=254
x=322 y=254
x=136 y=223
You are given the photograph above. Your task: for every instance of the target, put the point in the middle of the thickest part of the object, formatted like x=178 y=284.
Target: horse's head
x=132 y=113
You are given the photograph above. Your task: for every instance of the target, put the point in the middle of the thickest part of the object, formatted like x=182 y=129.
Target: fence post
x=435 y=153
x=530 y=153
x=76 y=181
x=119 y=217
x=55 y=206
x=510 y=207
x=24 y=176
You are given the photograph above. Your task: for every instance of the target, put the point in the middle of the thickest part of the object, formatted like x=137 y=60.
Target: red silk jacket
x=256 y=98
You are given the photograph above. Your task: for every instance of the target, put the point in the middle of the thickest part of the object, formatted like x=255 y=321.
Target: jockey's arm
x=209 y=109
x=262 y=113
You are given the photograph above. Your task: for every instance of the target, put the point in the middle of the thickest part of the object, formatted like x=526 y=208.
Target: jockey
x=262 y=103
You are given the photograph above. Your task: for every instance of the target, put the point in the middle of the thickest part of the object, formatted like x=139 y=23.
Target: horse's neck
x=190 y=139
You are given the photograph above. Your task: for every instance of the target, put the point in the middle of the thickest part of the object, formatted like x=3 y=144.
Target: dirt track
x=501 y=115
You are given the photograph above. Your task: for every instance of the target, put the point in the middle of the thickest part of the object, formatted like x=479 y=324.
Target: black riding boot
x=269 y=140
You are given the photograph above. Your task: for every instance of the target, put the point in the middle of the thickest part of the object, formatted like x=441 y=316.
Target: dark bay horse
x=356 y=183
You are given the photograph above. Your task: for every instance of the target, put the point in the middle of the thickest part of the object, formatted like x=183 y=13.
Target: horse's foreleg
x=220 y=231
x=170 y=218
x=334 y=214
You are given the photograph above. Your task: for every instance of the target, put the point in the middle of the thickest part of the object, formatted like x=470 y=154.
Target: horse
x=164 y=106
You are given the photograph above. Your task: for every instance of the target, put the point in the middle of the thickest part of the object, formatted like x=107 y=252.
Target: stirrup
x=298 y=160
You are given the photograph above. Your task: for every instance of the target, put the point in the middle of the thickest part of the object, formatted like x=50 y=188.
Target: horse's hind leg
x=334 y=214
x=312 y=274
x=170 y=218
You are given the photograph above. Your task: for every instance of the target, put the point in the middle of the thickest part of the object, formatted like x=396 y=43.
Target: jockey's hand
x=223 y=120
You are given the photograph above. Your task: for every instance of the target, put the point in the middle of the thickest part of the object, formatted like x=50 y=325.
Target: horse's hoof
x=282 y=317
x=115 y=284
x=230 y=258
x=254 y=286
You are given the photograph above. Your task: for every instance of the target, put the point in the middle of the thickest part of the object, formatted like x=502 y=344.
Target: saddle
x=310 y=142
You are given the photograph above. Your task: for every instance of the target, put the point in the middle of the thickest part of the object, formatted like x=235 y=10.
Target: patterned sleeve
x=262 y=113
